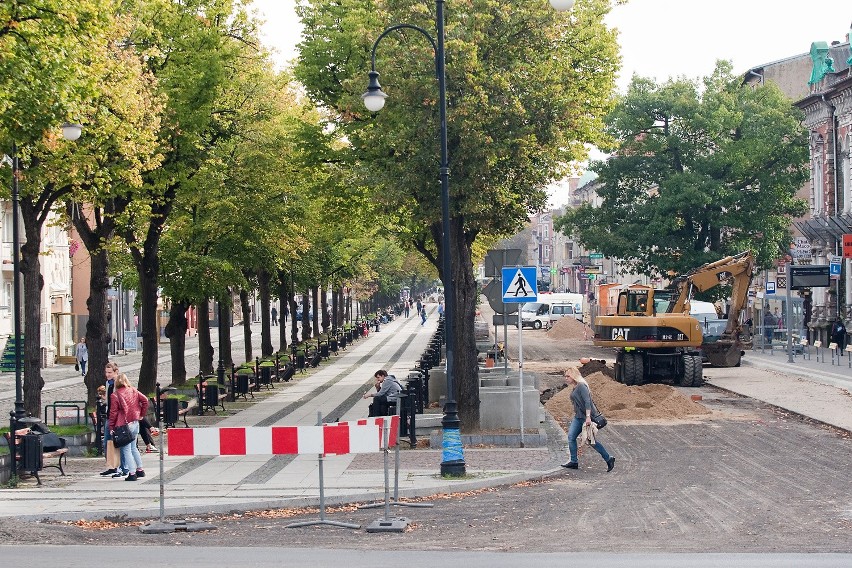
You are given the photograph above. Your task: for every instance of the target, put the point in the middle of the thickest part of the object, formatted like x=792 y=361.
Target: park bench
x=61 y=455
x=210 y=396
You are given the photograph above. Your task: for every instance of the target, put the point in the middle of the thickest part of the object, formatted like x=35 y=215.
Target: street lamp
x=452 y=462
x=69 y=132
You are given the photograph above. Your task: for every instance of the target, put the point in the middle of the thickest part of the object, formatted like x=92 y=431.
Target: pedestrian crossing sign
x=519 y=284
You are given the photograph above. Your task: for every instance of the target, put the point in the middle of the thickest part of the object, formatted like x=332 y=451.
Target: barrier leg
x=387 y=524
x=322 y=520
x=395 y=500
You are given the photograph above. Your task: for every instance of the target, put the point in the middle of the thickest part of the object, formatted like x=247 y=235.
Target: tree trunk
x=225 y=354
x=466 y=367
x=265 y=332
x=147 y=268
x=282 y=321
x=244 y=305
x=306 y=316
x=176 y=332
x=96 y=327
x=335 y=306
x=205 y=347
x=33 y=283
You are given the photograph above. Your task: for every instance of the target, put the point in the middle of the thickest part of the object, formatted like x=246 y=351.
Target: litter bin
x=30 y=452
x=170 y=411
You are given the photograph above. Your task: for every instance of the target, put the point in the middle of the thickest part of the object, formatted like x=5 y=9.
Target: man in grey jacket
x=387 y=394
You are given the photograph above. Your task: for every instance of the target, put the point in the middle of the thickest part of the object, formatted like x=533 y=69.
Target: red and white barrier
x=360 y=437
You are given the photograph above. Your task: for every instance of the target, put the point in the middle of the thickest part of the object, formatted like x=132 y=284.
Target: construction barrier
x=359 y=437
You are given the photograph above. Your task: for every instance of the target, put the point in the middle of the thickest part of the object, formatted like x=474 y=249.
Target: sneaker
x=109 y=472
x=140 y=473
x=131 y=477
x=570 y=465
x=610 y=463
x=151 y=449
x=119 y=473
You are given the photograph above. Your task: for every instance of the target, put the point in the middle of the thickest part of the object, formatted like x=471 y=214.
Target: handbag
x=122 y=436
x=599 y=420
x=77 y=367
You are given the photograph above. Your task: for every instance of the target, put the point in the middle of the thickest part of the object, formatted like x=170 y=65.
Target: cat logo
x=620 y=333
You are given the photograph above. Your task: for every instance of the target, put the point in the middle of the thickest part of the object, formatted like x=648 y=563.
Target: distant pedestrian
x=440 y=308
x=285 y=311
x=419 y=306
x=838 y=334
x=423 y=316
x=584 y=409
x=768 y=325
x=274 y=313
x=407 y=308
x=82 y=355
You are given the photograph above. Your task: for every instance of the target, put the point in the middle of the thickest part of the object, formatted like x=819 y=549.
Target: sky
x=667 y=38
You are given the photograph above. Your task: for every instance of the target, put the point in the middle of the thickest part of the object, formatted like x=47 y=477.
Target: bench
x=61 y=454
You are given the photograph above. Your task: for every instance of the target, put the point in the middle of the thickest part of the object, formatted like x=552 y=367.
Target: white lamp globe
x=562 y=5
x=374 y=100
x=71 y=131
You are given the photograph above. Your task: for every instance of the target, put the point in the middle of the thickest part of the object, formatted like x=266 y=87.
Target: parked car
x=561 y=310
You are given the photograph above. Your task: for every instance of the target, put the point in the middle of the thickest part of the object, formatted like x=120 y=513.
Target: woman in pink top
x=127 y=406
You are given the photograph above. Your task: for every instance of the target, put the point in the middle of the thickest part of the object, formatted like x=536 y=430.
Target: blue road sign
x=519 y=284
x=834 y=268
x=770 y=287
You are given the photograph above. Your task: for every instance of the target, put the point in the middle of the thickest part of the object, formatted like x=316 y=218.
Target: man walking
x=274 y=316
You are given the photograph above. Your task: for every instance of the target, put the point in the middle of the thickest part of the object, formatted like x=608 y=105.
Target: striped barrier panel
x=360 y=437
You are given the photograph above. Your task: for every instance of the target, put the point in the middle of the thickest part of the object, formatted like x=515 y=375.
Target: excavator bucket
x=725 y=352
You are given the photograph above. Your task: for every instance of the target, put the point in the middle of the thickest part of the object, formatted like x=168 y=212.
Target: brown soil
x=569 y=328
x=622 y=403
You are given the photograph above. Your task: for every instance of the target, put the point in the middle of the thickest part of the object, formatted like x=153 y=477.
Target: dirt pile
x=569 y=328
x=622 y=403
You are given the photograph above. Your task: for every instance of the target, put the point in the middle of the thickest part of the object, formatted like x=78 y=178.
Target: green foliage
x=527 y=87
x=701 y=171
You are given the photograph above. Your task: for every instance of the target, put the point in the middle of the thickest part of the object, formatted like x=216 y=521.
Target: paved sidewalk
x=199 y=485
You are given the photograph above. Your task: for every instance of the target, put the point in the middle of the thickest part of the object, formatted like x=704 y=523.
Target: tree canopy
x=701 y=170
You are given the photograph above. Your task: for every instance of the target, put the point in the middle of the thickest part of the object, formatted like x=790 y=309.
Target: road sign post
x=520 y=285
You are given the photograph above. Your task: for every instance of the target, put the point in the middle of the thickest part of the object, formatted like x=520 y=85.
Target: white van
x=535 y=315
x=564 y=309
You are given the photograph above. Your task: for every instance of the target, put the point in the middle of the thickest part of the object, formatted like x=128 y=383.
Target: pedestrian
x=419 y=306
x=148 y=432
x=128 y=406
x=440 y=308
x=100 y=417
x=387 y=393
x=407 y=308
x=274 y=316
x=768 y=325
x=584 y=409
x=82 y=355
x=112 y=454
x=423 y=316
x=838 y=334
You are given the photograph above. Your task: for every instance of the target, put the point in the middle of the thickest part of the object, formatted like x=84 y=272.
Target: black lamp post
x=69 y=132
x=452 y=463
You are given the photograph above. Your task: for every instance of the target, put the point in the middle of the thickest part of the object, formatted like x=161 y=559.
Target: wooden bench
x=61 y=454
x=182 y=412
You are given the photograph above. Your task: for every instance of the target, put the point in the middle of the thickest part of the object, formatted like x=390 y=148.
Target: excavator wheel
x=693 y=373
x=633 y=369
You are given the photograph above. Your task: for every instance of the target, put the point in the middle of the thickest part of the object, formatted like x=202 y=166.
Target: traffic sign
x=595 y=255
x=519 y=284
x=594 y=269
x=770 y=287
x=834 y=268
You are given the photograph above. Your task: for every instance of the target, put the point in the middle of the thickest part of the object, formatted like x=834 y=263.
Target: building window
x=818 y=197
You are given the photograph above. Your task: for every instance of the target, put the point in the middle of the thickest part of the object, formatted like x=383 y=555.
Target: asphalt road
x=192 y=557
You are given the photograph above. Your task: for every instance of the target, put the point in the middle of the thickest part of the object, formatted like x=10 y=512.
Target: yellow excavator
x=658 y=340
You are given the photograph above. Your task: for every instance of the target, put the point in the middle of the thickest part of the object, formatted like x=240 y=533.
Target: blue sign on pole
x=520 y=284
x=834 y=268
x=770 y=287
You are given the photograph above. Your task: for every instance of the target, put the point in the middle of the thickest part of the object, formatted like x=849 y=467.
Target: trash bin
x=170 y=411
x=30 y=453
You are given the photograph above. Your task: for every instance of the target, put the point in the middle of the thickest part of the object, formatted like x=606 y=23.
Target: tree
x=527 y=88
x=701 y=171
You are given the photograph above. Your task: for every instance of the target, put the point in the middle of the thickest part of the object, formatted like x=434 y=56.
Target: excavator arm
x=738 y=268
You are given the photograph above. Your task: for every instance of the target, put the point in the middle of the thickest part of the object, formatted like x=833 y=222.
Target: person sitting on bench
x=388 y=391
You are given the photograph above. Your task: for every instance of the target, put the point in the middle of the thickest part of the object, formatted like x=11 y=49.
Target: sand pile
x=569 y=328
x=622 y=403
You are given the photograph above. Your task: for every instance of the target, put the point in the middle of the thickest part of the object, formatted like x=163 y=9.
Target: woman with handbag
x=127 y=407
x=584 y=409
x=113 y=457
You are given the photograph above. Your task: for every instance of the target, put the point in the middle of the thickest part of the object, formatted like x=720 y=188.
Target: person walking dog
x=584 y=409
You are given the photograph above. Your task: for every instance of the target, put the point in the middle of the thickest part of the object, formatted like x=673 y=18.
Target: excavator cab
x=637 y=301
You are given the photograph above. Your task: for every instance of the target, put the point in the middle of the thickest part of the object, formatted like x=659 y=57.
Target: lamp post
x=69 y=132
x=452 y=463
